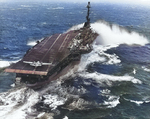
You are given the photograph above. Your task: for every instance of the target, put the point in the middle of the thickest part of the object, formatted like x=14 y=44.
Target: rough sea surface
x=112 y=81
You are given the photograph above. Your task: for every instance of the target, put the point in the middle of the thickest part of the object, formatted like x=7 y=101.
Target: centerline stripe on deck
x=51 y=47
x=63 y=42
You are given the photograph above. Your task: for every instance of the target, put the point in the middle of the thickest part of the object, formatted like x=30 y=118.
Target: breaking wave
x=112 y=34
x=16 y=104
x=98 y=55
x=138 y=102
x=147 y=69
x=31 y=43
x=20 y=102
x=113 y=101
x=4 y=64
x=108 y=80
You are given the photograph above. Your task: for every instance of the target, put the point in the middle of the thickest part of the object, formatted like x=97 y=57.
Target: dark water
x=112 y=82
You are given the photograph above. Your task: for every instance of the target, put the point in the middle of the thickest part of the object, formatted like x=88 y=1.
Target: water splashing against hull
x=73 y=90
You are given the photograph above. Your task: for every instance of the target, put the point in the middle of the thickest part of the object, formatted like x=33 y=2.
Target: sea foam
x=4 y=64
x=17 y=103
x=114 y=34
x=112 y=101
x=104 y=79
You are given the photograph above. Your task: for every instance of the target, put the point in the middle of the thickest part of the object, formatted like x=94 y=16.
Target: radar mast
x=87 y=23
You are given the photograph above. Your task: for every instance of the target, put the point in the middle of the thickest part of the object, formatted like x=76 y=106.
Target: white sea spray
x=114 y=34
x=17 y=103
x=105 y=79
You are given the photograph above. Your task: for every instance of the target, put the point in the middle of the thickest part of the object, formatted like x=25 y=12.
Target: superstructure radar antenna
x=87 y=23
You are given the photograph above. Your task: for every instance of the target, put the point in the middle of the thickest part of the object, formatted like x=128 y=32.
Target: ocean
x=112 y=81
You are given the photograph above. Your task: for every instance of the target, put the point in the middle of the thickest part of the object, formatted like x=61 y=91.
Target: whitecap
x=4 y=64
x=26 y=6
x=112 y=101
x=43 y=23
x=17 y=103
x=40 y=115
x=22 y=28
x=147 y=101
x=134 y=71
x=32 y=43
x=13 y=85
x=137 y=102
x=114 y=34
x=105 y=79
x=98 y=55
x=53 y=101
x=65 y=117
x=58 y=8
x=145 y=68
x=105 y=91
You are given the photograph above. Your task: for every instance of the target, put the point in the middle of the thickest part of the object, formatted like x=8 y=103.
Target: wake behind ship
x=54 y=56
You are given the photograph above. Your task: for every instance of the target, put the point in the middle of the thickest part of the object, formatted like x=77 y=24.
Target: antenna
x=87 y=23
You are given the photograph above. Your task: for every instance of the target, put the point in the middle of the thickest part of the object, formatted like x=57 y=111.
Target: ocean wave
x=114 y=34
x=4 y=64
x=43 y=23
x=65 y=117
x=53 y=101
x=146 y=68
x=26 y=6
x=112 y=101
x=109 y=101
x=137 y=101
x=22 y=28
x=108 y=80
x=98 y=55
x=105 y=92
x=58 y=8
x=17 y=104
x=32 y=43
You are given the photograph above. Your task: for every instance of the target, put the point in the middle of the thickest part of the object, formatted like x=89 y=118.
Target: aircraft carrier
x=54 y=56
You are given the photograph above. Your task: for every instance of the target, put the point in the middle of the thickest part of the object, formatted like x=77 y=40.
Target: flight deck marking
x=51 y=46
x=41 y=46
x=46 y=41
x=23 y=68
x=64 y=42
x=49 y=49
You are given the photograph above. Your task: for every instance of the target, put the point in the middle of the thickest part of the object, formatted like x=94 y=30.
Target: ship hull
x=54 y=56
x=73 y=66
